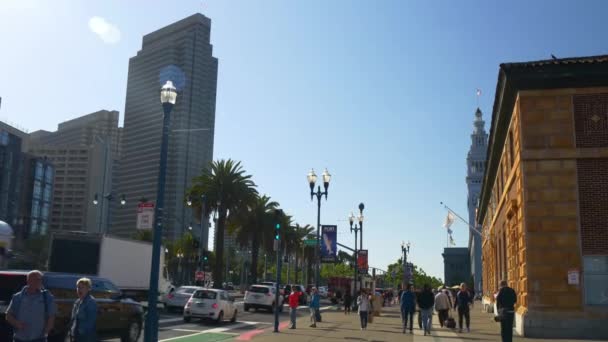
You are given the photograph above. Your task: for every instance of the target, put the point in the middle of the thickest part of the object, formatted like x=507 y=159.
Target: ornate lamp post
x=356 y=229
x=405 y=249
x=168 y=96
x=312 y=179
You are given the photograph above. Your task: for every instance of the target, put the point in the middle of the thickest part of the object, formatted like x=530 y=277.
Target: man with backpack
x=31 y=311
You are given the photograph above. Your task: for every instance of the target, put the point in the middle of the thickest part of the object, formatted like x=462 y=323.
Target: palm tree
x=300 y=233
x=228 y=190
x=254 y=228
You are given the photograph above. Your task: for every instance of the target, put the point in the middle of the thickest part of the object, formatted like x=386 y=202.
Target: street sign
x=310 y=242
x=145 y=215
x=199 y=276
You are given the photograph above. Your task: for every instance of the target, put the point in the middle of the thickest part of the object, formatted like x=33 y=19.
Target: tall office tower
x=182 y=53
x=476 y=165
x=83 y=152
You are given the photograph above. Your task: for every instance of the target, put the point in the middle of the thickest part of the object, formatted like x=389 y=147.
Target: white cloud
x=108 y=32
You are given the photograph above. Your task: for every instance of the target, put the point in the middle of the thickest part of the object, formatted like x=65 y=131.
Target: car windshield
x=259 y=289
x=10 y=284
x=205 y=294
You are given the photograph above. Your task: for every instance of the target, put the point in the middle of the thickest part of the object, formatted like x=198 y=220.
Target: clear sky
x=382 y=93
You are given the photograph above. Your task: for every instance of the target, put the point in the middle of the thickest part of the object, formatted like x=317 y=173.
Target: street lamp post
x=312 y=179
x=357 y=229
x=168 y=96
x=106 y=197
x=405 y=249
x=202 y=246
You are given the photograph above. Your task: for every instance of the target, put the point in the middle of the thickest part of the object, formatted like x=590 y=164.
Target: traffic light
x=277 y=227
x=205 y=256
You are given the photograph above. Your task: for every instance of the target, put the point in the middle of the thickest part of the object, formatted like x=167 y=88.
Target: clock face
x=174 y=74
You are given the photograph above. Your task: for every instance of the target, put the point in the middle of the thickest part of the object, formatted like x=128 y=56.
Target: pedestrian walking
x=348 y=301
x=363 y=302
x=32 y=311
x=426 y=301
x=408 y=306
x=294 y=300
x=505 y=301
x=84 y=314
x=314 y=307
x=442 y=305
x=463 y=300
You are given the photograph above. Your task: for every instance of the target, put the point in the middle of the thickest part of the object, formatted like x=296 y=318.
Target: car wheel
x=220 y=318
x=187 y=319
x=246 y=308
x=233 y=319
x=131 y=334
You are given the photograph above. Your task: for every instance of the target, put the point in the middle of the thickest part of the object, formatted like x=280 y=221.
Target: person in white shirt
x=364 y=308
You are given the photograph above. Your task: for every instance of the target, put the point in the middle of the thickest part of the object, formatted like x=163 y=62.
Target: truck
x=125 y=262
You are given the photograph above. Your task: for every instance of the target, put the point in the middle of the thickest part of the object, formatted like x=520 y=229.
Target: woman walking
x=364 y=308
x=84 y=314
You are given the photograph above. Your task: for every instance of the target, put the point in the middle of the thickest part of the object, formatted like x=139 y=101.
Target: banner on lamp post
x=329 y=244
x=362 y=261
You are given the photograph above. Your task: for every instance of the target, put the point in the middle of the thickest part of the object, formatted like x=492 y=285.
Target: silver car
x=178 y=298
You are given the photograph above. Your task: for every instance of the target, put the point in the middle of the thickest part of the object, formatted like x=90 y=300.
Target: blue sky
x=382 y=93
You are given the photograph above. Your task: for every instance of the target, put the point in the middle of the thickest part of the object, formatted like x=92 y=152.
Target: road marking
x=170 y=320
x=187 y=330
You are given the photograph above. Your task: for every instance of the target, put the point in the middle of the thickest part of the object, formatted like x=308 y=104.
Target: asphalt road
x=172 y=326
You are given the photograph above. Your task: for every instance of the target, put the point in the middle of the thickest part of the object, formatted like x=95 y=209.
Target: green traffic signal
x=278 y=226
x=276 y=237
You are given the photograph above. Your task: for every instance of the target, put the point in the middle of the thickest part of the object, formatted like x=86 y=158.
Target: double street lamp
x=204 y=237
x=106 y=197
x=356 y=229
x=405 y=249
x=312 y=179
x=168 y=96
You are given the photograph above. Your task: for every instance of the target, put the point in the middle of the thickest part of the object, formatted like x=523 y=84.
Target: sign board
x=199 y=276
x=310 y=242
x=145 y=215
x=329 y=245
x=573 y=277
x=362 y=260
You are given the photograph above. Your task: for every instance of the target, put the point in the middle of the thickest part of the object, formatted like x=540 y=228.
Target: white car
x=210 y=304
x=260 y=297
x=177 y=299
x=323 y=291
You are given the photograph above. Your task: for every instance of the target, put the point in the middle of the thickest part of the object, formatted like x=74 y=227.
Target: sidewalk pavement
x=387 y=327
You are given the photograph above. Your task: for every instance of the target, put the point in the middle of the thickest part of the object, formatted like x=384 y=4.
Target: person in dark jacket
x=426 y=301
x=505 y=302
x=462 y=302
x=84 y=314
x=408 y=306
x=348 y=302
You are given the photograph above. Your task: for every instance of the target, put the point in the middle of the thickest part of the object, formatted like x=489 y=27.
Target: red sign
x=199 y=276
x=362 y=260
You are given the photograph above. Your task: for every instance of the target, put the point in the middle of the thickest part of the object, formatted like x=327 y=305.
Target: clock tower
x=476 y=166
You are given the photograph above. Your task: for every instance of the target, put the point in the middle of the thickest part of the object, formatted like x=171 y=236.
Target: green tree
x=143 y=235
x=253 y=227
x=228 y=189
x=419 y=279
x=299 y=234
x=336 y=270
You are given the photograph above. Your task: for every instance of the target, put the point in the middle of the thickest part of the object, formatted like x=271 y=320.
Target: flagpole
x=463 y=220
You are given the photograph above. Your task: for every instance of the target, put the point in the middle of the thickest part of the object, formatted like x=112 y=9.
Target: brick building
x=544 y=199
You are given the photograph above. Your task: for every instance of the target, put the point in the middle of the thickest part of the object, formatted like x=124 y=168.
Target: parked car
x=323 y=292
x=177 y=299
x=260 y=297
x=117 y=317
x=210 y=304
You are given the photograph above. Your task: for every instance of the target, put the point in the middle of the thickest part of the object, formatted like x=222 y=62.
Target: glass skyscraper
x=182 y=53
